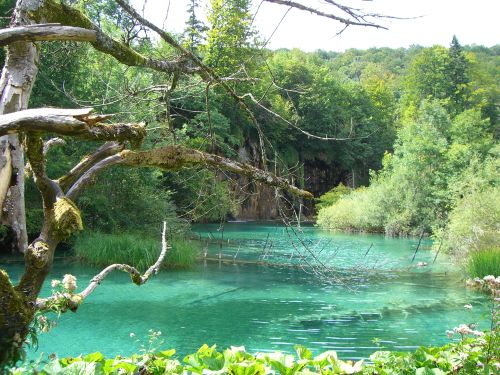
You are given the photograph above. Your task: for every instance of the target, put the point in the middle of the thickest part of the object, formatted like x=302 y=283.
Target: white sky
x=473 y=22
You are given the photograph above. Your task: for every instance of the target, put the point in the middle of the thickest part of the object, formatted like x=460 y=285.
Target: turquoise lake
x=377 y=298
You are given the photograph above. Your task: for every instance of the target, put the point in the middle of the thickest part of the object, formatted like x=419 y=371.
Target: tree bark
x=16 y=83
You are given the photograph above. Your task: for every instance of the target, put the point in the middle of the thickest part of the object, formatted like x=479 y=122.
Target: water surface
x=376 y=300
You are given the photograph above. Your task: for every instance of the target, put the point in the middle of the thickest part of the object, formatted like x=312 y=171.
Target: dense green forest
x=402 y=142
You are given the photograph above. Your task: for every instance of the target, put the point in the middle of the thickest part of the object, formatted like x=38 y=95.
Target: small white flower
x=478 y=333
x=55 y=283
x=468 y=306
x=463 y=356
x=489 y=278
x=450 y=333
x=463 y=329
x=69 y=282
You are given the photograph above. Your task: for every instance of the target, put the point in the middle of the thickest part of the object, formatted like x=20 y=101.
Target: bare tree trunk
x=18 y=77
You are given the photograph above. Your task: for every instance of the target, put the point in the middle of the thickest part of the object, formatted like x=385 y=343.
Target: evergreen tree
x=457 y=73
x=195 y=29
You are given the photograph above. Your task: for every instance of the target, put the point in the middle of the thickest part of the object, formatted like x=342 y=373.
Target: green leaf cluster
x=470 y=356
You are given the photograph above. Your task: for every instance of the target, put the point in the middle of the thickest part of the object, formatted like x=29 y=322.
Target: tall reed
x=484 y=262
x=100 y=249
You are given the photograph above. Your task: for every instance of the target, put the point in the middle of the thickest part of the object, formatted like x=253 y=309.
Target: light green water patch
x=270 y=308
x=275 y=243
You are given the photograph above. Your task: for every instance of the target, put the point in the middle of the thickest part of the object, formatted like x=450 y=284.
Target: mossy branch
x=177 y=157
x=56 y=11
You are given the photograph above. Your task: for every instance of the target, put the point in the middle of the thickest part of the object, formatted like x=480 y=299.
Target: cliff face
x=258 y=201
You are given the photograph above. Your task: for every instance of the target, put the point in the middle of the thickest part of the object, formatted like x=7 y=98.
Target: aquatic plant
x=483 y=262
x=99 y=249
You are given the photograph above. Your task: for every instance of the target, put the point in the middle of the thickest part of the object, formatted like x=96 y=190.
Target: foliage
x=100 y=249
x=474 y=223
x=408 y=195
x=229 y=35
x=444 y=163
x=466 y=357
x=358 y=211
x=483 y=262
x=331 y=197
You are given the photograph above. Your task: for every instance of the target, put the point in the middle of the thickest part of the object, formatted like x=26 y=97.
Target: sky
x=435 y=22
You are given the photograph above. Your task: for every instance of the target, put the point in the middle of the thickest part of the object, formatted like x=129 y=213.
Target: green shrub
x=331 y=197
x=469 y=356
x=140 y=251
x=483 y=262
x=357 y=211
x=474 y=223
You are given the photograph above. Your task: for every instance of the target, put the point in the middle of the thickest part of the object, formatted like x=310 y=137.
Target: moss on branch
x=67 y=218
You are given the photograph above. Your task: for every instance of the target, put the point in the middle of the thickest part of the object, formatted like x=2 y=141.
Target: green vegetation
x=483 y=263
x=140 y=251
x=441 y=177
x=414 y=132
x=469 y=356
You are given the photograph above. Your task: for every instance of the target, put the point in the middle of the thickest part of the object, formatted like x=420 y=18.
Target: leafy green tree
x=229 y=35
x=426 y=78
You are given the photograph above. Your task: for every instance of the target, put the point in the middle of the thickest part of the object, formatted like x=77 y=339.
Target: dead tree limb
x=358 y=17
x=106 y=150
x=73 y=301
x=78 y=123
x=33 y=33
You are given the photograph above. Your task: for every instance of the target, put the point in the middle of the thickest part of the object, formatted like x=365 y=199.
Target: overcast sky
x=474 y=22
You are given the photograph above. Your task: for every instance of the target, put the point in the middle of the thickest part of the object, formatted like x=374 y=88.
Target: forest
x=400 y=142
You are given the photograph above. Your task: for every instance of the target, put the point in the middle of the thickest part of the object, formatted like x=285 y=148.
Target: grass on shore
x=483 y=262
x=100 y=249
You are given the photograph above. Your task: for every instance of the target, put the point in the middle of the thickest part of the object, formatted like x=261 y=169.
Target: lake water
x=377 y=299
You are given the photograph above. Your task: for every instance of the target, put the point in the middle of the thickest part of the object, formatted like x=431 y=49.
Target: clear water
x=389 y=300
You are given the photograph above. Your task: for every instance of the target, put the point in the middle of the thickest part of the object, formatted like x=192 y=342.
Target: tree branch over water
x=72 y=301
